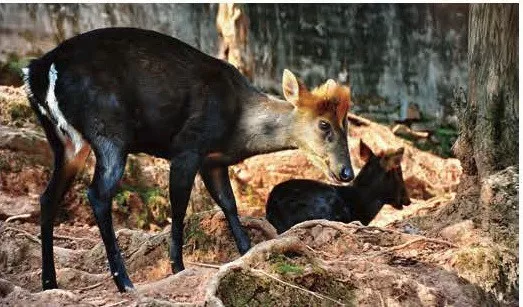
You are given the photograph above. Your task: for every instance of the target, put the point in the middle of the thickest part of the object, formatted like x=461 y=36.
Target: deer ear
x=365 y=152
x=393 y=161
x=331 y=85
x=397 y=157
x=292 y=87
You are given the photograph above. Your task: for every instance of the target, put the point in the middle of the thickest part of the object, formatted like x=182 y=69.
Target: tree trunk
x=233 y=27
x=488 y=140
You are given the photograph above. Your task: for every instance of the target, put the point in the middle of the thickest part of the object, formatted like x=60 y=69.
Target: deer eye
x=324 y=126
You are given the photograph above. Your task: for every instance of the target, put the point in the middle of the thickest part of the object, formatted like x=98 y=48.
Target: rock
x=458 y=231
x=16 y=206
x=410 y=229
x=7 y=287
x=424 y=126
x=28 y=141
x=491 y=266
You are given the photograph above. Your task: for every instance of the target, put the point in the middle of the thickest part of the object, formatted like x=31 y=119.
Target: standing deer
x=123 y=90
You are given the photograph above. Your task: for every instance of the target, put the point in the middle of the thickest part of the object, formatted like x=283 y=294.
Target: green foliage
x=440 y=143
x=193 y=233
x=11 y=70
x=283 y=265
x=121 y=199
x=155 y=209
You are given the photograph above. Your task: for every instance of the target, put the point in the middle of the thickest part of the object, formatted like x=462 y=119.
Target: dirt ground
x=325 y=263
x=433 y=253
x=82 y=268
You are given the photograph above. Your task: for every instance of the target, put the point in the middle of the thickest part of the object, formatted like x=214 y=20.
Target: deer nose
x=346 y=173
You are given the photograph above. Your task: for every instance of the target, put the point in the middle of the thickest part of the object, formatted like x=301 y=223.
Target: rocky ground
x=442 y=250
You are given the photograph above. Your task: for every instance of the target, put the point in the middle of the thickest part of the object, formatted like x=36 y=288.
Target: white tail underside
x=64 y=130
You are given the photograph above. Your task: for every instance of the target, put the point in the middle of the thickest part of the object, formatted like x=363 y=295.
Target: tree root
x=205 y=265
x=420 y=239
x=117 y=303
x=400 y=129
x=96 y=285
x=18 y=217
x=265 y=227
x=27 y=234
x=73 y=238
x=341 y=227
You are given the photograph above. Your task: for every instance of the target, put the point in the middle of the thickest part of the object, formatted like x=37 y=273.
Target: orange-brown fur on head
x=331 y=97
x=320 y=123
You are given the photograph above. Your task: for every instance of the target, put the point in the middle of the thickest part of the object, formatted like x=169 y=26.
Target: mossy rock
x=246 y=288
x=493 y=268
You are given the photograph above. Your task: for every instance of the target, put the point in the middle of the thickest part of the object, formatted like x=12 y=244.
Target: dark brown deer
x=379 y=182
x=117 y=91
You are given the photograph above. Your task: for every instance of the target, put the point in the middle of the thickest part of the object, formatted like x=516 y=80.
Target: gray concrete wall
x=403 y=52
x=411 y=52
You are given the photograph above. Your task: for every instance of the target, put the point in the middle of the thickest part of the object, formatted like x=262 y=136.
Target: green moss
x=246 y=288
x=156 y=206
x=193 y=234
x=445 y=137
x=19 y=112
x=159 y=207
x=495 y=270
x=282 y=265
x=243 y=288
x=121 y=199
x=11 y=70
x=133 y=170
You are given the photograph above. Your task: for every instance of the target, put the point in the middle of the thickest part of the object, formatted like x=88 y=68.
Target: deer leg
x=218 y=184
x=63 y=176
x=189 y=147
x=184 y=167
x=110 y=165
x=66 y=166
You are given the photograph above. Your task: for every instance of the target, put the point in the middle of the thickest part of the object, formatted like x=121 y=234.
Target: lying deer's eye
x=325 y=126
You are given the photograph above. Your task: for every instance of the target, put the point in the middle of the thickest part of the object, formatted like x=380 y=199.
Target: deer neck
x=266 y=125
x=364 y=200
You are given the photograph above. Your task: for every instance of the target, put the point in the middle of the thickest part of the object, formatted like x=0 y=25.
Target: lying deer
x=379 y=182
x=117 y=91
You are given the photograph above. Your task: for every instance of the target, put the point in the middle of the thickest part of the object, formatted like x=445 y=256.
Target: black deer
x=379 y=182
x=122 y=90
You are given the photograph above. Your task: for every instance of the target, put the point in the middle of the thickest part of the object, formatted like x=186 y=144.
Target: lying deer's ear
x=398 y=156
x=393 y=161
x=293 y=89
x=365 y=152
